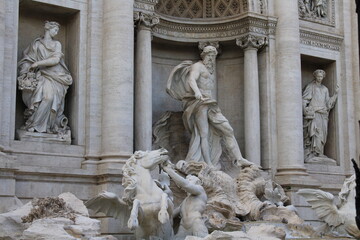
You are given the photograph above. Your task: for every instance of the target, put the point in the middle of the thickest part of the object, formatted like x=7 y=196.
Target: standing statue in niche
x=44 y=80
x=316 y=107
x=192 y=83
x=192 y=207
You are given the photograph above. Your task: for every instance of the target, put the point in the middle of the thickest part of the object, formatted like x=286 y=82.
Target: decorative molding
x=308 y=12
x=321 y=40
x=251 y=41
x=221 y=31
x=145 y=19
x=145 y=5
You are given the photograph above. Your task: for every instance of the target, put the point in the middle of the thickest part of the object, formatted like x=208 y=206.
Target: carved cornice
x=251 y=41
x=145 y=19
x=145 y=5
x=321 y=40
x=217 y=31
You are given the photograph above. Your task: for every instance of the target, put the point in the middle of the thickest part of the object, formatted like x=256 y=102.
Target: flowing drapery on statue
x=44 y=80
x=192 y=83
x=316 y=107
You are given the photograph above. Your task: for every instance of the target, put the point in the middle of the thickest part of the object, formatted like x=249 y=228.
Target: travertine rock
x=49 y=228
x=51 y=218
x=11 y=225
x=74 y=203
x=263 y=232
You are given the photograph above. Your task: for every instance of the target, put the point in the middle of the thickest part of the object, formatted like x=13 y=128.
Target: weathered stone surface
x=11 y=225
x=50 y=218
x=263 y=232
x=49 y=228
x=76 y=204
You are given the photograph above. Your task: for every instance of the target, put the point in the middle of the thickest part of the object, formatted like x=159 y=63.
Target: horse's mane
x=128 y=181
x=345 y=190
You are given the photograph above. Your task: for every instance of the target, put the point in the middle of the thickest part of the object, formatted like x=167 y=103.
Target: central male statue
x=192 y=83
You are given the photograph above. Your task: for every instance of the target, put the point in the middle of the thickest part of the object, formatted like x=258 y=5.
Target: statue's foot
x=243 y=163
x=133 y=223
x=31 y=129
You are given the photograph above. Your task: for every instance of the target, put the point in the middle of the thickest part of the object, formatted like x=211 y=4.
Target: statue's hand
x=133 y=222
x=198 y=95
x=163 y=216
x=180 y=165
x=33 y=66
x=337 y=88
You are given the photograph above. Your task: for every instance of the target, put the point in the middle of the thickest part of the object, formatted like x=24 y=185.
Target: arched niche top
x=195 y=10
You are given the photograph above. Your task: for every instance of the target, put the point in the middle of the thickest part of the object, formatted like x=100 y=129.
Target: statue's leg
x=231 y=144
x=201 y=120
x=163 y=215
x=133 y=221
x=182 y=233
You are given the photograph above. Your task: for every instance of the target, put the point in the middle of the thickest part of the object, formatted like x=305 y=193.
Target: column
x=289 y=95
x=143 y=80
x=94 y=109
x=251 y=43
x=117 y=82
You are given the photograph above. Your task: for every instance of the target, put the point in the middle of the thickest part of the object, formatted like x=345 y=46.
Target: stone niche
x=167 y=54
x=32 y=16
x=308 y=65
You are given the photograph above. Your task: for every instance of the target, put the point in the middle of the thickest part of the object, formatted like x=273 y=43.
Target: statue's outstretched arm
x=183 y=183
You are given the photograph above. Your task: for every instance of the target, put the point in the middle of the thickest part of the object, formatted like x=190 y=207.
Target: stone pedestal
x=61 y=138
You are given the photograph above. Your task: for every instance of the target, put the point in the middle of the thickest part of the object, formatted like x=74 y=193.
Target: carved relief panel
x=320 y=11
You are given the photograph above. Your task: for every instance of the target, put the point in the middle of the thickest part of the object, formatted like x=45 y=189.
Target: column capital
x=251 y=41
x=215 y=44
x=147 y=20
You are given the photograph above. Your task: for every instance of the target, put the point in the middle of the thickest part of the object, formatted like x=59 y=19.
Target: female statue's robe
x=46 y=103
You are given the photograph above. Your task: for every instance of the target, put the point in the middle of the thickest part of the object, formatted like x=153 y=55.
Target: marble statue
x=316 y=107
x=339 y=219
x=151 y=206
x=192 y=207
x=192 y=83
x=44 y=80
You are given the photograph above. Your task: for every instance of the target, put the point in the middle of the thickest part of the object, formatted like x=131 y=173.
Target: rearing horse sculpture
x=151 y=206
